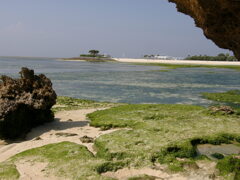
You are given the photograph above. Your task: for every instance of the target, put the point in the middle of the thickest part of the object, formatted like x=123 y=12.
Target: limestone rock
x=25 y=103
x=222 y=109
x=219 y=19
x=86 y=139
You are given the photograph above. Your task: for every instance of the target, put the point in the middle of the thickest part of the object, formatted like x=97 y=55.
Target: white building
x=159 y=57
x=162 y=57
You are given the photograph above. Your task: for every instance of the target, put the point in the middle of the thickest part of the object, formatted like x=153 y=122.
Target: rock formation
x=219 y=19
x=25 y=103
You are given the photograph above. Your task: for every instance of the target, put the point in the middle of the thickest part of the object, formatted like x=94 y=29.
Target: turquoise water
x=120 y=82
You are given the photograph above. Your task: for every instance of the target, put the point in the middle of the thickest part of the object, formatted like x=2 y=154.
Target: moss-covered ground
x=66 y=160
x=232 y=97
x=160 y=133
x=8 y=171
x=176 y=66
x=230 y=167
x=151 y=134
x=69 y=103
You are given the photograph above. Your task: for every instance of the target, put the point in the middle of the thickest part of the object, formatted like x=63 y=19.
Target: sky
x=121 y=28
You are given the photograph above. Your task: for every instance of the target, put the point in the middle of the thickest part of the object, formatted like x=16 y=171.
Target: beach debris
x=25 y=103
x=64 y=134
x=2 y=143
x=38 y=138
x=86 y=139
x=222 y=109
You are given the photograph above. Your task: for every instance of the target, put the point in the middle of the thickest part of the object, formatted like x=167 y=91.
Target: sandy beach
x=66 y=122
x=216 y=63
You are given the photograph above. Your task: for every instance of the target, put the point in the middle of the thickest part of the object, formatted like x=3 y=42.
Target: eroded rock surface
x=219 y=19
x=25 y=103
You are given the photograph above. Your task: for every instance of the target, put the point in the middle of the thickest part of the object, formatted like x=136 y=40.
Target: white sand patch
x=177 y=61
x=33 y=171
x=206 y=171
x=126 y=173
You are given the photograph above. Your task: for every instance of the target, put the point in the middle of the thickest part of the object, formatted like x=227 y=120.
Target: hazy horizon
x=123 y=28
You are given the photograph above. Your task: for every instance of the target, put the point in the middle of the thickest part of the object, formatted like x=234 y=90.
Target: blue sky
x=121 y=28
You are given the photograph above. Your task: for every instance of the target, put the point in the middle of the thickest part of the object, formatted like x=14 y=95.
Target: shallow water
x=120 y=82
x=224 y=149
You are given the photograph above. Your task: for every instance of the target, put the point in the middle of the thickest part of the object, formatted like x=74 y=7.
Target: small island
x=92 y=56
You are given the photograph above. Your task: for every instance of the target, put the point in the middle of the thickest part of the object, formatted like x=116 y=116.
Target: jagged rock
x=222 y=109
x=219 y=19
x=25 y=103
x=86 y=139
x=38 y=138
x=66 y=134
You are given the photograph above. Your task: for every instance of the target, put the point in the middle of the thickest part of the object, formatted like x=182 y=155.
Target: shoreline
x=89 y=59
x=183 y=62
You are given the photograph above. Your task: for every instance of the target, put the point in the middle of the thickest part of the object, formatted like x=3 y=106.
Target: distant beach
x=129 y=60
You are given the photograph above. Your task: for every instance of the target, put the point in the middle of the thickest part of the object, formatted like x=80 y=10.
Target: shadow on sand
x=56 y=125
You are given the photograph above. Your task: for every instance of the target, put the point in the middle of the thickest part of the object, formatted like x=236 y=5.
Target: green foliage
x=219 y=57
x=93 y=56
x=230 y=165
x=94 y=52
x=8 y=171
x=90 y=55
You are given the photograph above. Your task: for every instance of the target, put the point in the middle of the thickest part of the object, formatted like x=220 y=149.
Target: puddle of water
x=224 y=149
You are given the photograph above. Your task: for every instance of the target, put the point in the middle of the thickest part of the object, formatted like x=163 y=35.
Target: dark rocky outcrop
x=222 y=109
x=86 y=139
x=25 y=103
x=219 y=19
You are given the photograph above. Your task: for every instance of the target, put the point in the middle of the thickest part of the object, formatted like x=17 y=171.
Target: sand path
x=27 y=172
x=72 y=123
x=205 y=171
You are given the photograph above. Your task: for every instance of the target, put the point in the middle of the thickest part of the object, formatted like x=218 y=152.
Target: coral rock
x=25 y=103
x=223 y=109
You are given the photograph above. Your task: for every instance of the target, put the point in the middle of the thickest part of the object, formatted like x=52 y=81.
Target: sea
x=127 y=83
